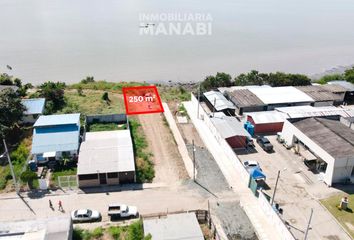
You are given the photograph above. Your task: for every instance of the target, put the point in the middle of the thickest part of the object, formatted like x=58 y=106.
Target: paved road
x=148 y=201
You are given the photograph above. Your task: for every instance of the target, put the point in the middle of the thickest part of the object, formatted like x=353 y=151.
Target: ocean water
x=62 y=40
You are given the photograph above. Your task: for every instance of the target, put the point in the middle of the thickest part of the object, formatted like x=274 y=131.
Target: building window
x=112 y=175
x=88 y=177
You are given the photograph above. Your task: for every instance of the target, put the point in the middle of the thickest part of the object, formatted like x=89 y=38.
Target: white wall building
x=330 y=141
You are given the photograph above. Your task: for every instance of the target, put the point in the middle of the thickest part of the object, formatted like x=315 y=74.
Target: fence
x=67 y=181
x=107 y=118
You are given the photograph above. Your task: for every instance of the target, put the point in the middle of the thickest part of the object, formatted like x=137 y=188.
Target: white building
x=331 y=142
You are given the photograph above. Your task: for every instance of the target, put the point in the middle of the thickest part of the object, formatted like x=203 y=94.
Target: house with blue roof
x=55 y=136
x=34 y=108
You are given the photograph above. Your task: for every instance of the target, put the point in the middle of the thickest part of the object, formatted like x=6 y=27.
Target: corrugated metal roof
x=277 y=95
x=319 y=93
x=228 y=126
x=60 y=119
x=221 y=103
x=334 y=88
x=244 y=98
x=332 y=136
x=309 y=111
x=267 y=117
x=107 y=151
x=347 y=85
x=55 y=139
x=33 y=105
x=174 y=226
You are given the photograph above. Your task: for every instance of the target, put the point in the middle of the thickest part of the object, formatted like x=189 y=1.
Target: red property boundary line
x=154 y=88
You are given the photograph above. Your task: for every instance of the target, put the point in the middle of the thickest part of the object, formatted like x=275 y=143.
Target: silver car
x=85 y=215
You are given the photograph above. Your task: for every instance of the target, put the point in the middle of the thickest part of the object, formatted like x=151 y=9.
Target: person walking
x=60 y=206
x=50 y=204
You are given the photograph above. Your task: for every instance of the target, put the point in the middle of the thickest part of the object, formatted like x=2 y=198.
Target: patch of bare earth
x=169 y=167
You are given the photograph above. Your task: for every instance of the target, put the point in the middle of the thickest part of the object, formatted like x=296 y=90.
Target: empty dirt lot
x=169 y=166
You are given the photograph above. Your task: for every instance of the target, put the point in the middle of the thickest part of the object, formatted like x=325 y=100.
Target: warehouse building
x=106 y=158
x=34 y=108
x=55 y=136
x=230 y=129
x=348 y=88
x=329 y=143
x=272 y=122
x=217 y=102
x=322 y=96
x=245 y=101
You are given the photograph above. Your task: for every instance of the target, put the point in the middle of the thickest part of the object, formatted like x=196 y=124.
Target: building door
x=103 y=178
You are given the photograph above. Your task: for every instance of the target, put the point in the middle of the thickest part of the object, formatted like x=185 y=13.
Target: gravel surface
x=234 y=220
x=208 y=175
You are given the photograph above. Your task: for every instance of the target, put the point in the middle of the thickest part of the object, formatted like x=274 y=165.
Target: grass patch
x=133 y=231
x=145 y=168
x=345 y=217
x=91 y=102
x=62 y=172
x=98 y=127
x=168 y=93
x=105 y=86
x=18 y=159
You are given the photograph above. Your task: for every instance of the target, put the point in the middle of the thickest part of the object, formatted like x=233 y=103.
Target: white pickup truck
x=122 y=211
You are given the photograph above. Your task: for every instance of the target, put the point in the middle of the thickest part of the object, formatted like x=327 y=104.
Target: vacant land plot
x=169 y=166
x=91 y=102
x=345 y=217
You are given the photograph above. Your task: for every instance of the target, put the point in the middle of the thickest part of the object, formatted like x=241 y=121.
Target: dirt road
x=169 y=167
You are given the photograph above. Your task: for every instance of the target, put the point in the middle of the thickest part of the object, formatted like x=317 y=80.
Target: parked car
x=122 y=211
x=249 y=165
x=85 y=215
x=265 y=144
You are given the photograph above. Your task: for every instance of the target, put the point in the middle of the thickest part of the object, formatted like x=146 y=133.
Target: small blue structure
x=257 y=174
x=34 y=108
x=55 y=136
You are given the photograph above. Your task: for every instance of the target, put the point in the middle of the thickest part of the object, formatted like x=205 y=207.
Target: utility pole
x=11 y=167
x=308 y=225
x=214 y=107
x=198 y=101
x=275 y=188
x=193 y=161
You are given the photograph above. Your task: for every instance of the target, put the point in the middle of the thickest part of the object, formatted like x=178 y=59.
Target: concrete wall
x=343 y=169
x=288 y=133
x=222 y=142
x=323 y=104
x=107 y=118
x=274 y=218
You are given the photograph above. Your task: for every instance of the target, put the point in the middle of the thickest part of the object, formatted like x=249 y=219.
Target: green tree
x=54 y=95
x=11 y=111
x=28 y=176
x=79 y=91
x=219 y=80
x=328 y=78
x=251 y=78
x=349 y=75
x=135 y=231
x=88 y=79
x=6 y=79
